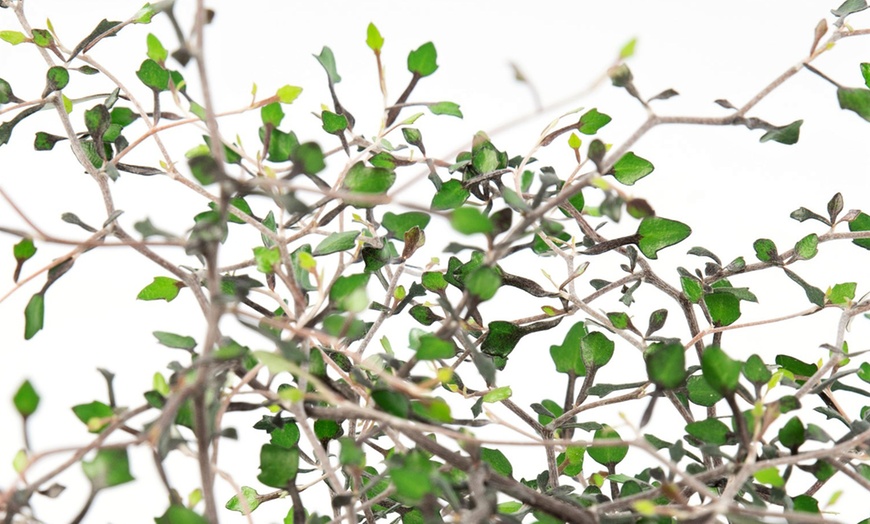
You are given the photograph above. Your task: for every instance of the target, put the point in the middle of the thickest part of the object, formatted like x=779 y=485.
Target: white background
x=730 y=188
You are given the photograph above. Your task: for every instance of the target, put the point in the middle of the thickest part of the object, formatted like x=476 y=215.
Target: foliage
x=339 y=265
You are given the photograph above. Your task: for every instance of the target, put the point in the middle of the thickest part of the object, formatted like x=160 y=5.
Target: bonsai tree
x=393 y=335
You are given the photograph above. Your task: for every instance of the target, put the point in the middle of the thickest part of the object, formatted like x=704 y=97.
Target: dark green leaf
x=90 y=40
x=656 y=321
x=692 y=288
x=666 y=364
x=755 y=371
x=392 y=402
x=796 y=366
x=327 y=60
x=630 y=168
x=287 y=436
x=720 y=371
x=325 y=429
x=724 y=308
x=450 y=196
x=336 y=242
x=856 y=100
x=711 y=431
x=784 y=135
x=814 y=294
x=162 y=288
x=42 y=37
x=793 y=434
x=807 y=247
x=422 y=61
x=109 y=467
x=45 y=141
x=278 y=465
x=34 y=315
x=204 y=169
x=56 y=79
x=6 y=94
x=850 y=6
x=424 y=315
x=502 y=337
x=566 y=356
x=806 y=504
x=26 y=399
x=483 y=282
x=497 y=460
x=802 y=214
x=657 y=233
x=607 y=455
x=171 y=340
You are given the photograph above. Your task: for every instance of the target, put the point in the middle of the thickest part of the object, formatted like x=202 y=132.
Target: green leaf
x=267 y=258
x=45 y=141
x=856 y=100
x=422 y=61
x=450 y=196
x=6 y=94
x=806 y=504
x=796 y=366
x=333 y=123
x=627 y=51
x=724 y=308
x=325 y=429
x=807 y=247
x=399 y=225
x=153 y=75
x=22 y=251
x=502 y=338
x=327 y=61
x=351 y=454
x=657 y=233
x=13 y=37
x=497 y=460
x=720 y=371
x=865 y=72
x=97 y=120
x=156 y=51
x=434 y=281
x=171 y=340
x=755 y=371
x=607 y=455
x=596 y=349
x=278 y=465
x=252 y=501
x=336 y=242
x=468 y=221
x=711 y=431
x=864 y=372
x=374 y=39
x=842 y=294
x=368 y=180
x=793 y=434
x=784 y=135
x=162 y=288
x=26 y=399
x=110 y=467
x=765 y=250
x=483 y=282
x=666 y=364
x=691 y=288
x=701 y=393
x=272 y=114
x=574 y=141
x=42 y=37
x=770 y=476
x=497 y=394
x=180 y=515
x=619 y=320
x=34 y=315
x=445 y=108
x=567 y=356
x=591 y=121
x=95 y=415
x=392 y=402
x=434 y=348
x=56 y=78
x=861 y=223
x=349 y=292
x=287 y=436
